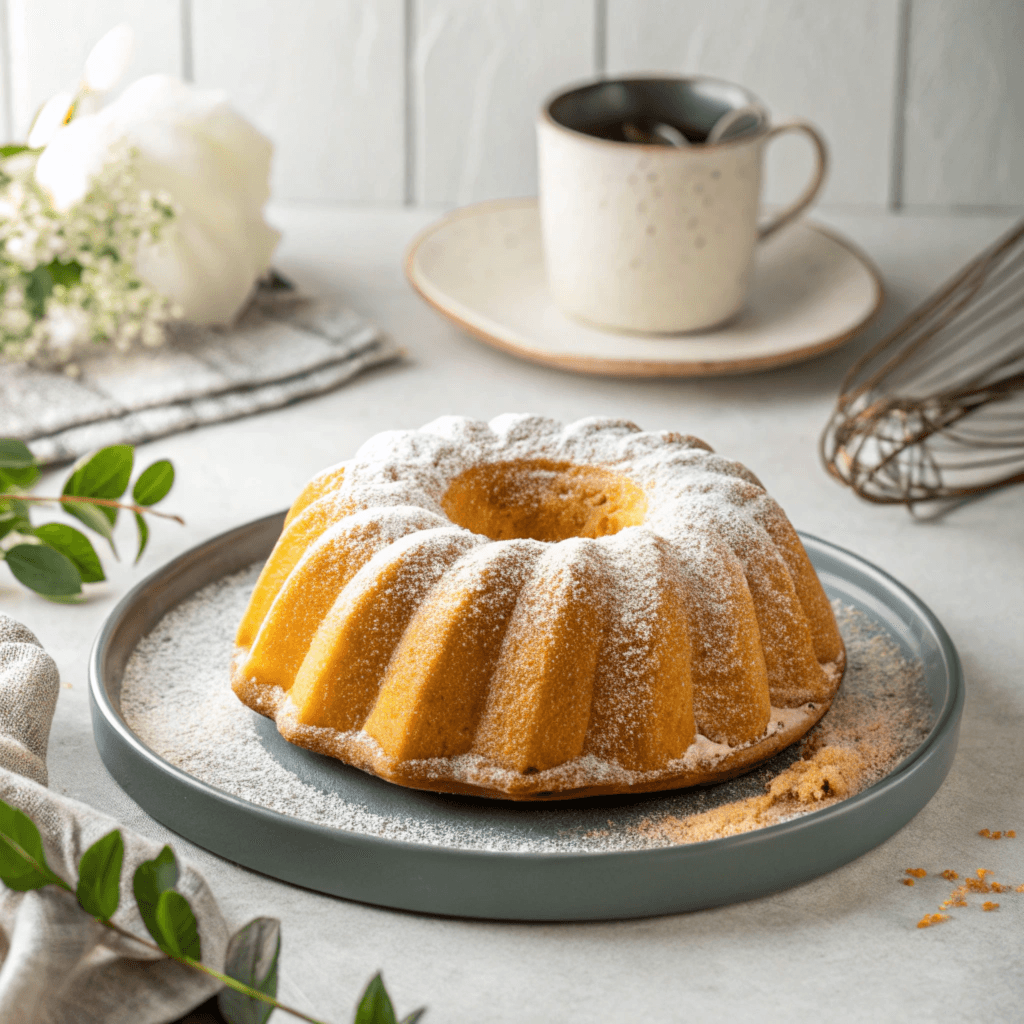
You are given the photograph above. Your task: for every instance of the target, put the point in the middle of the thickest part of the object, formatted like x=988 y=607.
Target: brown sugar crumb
x=998 y=887
x=831 y=774
x=977 y=885
x=989 y=905
x=907 y=881
x=982 y=872
x=988 y=834
x=1010 y=834
x=956 y=898
x=916 y=872
x=929 y=919
x=950 y=876
x=860 y=740
x=1020 y=888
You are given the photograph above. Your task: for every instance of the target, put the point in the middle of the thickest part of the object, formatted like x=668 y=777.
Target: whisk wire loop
x=935 y=410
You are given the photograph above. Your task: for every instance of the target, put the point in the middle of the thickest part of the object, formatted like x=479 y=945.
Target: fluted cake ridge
x=530 y=610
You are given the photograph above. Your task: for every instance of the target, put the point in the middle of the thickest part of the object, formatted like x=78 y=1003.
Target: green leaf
x=73 y=543
x=154 y=482
x=17 y=465
x=14 y=454
x=179 y=932
x=375 y=1006
x=152 y=877
x=99 y=876
x=39 y=283
x=20 y=479
x=44 y=570
x=22 y=861
x=38 y=286
x=67 y=274
x=19 y=508
x=414 y=1016
x=252 y=958
x=143 y=535
x=93 y=516
x=13 y=150
x=104 y=474
x=11 y=523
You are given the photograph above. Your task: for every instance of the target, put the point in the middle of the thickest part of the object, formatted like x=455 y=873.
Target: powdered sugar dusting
x=703 y=532
x=176 y=698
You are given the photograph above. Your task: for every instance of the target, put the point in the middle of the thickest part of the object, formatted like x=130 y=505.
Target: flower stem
x=226 y=979
x=105 y=502
x=253 y=993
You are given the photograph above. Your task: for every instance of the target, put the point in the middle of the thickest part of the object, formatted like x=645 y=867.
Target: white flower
x=66 y=326
x=191 y=146
x=22 y=249
x=15 y=319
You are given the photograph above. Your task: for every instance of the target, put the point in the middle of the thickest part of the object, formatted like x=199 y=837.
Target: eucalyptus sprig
x=250 y=969
x=55 y=559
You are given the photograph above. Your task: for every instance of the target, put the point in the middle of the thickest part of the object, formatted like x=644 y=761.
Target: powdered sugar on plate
x=176 y=696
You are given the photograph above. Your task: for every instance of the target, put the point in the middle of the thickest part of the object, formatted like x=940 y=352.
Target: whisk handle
x=814 y=187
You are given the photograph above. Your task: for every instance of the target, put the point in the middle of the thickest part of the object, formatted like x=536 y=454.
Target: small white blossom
x=66 y=326
x=15 y=320
x=136 y=213
x=67 y=278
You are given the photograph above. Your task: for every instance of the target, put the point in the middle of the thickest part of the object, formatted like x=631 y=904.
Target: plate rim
x=123 y=752
x=605 y=367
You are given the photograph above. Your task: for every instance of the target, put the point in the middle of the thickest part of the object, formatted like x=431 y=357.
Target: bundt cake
x=530 y=611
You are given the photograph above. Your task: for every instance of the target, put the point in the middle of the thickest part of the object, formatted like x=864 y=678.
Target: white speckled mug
x=647 y=236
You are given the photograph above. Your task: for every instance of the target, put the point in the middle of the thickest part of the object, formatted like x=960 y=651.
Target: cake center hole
x=543 y=500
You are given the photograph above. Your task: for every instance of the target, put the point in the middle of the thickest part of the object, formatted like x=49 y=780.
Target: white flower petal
x=49 y=119
x=75 y=155
x=109 y=59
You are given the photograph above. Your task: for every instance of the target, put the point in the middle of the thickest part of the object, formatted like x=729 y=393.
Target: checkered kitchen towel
x=285 y=347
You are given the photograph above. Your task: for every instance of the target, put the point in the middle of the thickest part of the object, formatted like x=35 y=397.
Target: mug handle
x=808 y=195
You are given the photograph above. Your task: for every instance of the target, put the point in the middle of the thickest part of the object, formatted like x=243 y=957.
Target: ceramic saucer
x=483 y=268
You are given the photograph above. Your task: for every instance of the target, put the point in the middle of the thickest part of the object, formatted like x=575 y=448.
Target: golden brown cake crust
x=354 y=750
x=529 y=611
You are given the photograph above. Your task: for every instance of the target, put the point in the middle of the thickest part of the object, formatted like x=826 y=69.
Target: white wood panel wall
x=433 y=101
x=479 y=73
x=50 y=39
x=325 y=81
x=965 y=104
x=6 y=130
x=837 y=71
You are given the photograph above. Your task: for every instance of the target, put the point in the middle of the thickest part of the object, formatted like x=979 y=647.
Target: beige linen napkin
x=59 y=965
x=285 y=347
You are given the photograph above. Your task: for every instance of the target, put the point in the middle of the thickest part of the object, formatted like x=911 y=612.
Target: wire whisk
x=936 y=409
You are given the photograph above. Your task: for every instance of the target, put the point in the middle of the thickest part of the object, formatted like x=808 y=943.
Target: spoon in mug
x=662 y=134
x=659 y=134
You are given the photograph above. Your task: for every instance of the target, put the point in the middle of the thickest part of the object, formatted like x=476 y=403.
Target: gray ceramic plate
x=508 y=885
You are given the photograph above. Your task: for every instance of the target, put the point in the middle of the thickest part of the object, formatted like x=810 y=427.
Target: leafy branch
x=67 y=499
x=55 y=559
x=249 y=978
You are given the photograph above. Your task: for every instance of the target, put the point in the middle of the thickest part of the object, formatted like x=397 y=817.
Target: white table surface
x=844 y=947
